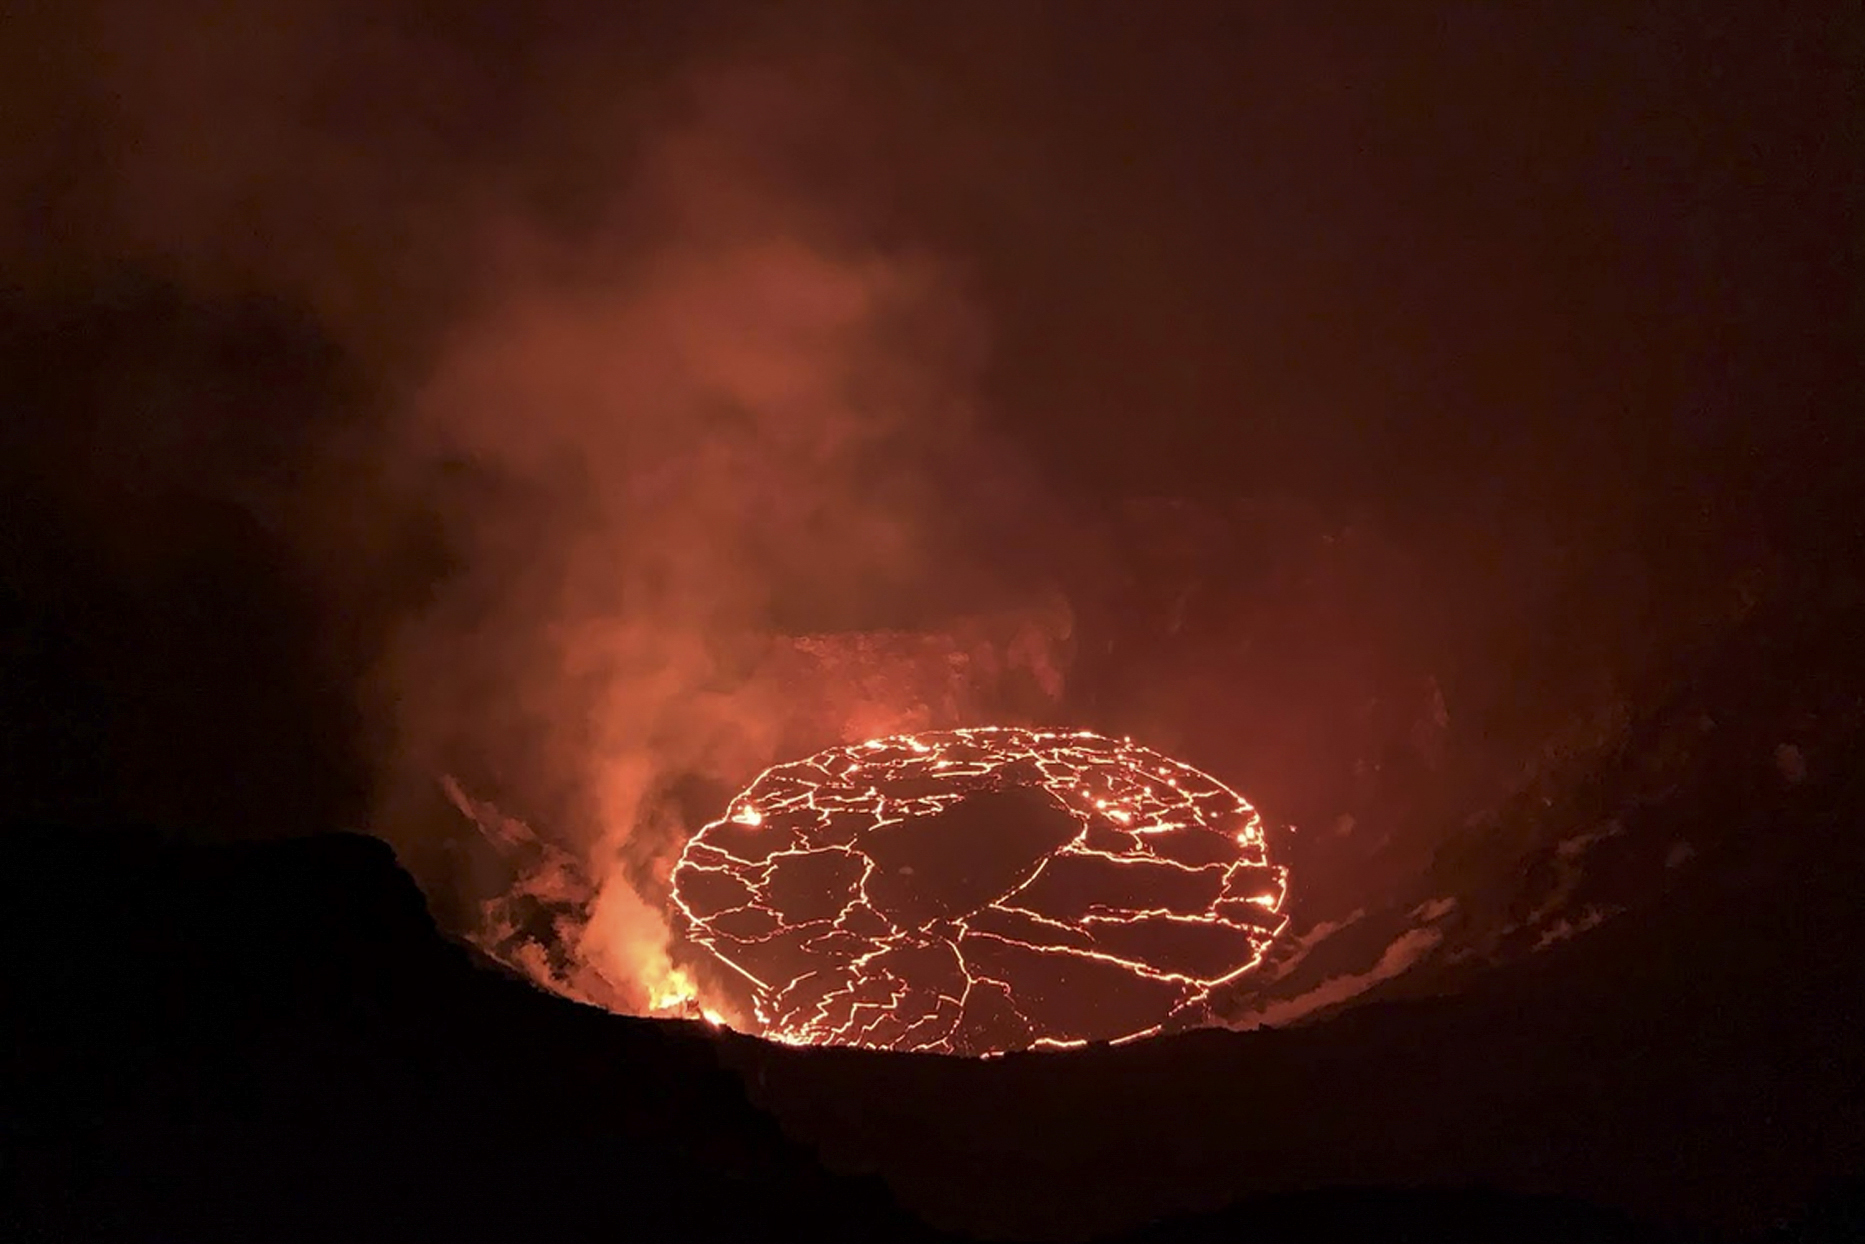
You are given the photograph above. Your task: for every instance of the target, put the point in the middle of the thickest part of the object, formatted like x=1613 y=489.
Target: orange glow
x=673 y=992
x=1165 y=885
x=676 y=996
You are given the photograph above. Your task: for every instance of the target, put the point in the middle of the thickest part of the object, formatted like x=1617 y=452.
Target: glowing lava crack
x=978 y=891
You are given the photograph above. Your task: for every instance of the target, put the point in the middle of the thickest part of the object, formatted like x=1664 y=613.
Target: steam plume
x=632 y=333
x=678 y=435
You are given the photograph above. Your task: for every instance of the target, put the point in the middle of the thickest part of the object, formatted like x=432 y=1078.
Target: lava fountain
x=978 y=891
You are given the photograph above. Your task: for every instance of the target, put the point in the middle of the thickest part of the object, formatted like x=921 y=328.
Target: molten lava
x=982 y=890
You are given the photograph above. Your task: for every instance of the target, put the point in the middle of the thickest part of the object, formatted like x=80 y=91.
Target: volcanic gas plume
x=974 y=891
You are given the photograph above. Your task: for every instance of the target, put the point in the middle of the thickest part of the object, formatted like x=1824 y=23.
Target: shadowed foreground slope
x=272 y=1042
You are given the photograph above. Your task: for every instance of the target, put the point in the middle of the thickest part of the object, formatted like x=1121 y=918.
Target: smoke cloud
x=654 y=384
x=686 y=436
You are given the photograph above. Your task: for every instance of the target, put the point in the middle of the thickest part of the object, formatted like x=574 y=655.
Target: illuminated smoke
x=643 y=363
x=981 y=890
x=666 y=451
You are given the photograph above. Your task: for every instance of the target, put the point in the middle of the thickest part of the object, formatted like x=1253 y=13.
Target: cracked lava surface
x=983 y=890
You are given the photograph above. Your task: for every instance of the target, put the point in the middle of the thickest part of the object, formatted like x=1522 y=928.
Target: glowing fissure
x=1110 y=902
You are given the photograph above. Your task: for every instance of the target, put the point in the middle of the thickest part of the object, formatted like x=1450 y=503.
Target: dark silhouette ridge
x=272 y=1042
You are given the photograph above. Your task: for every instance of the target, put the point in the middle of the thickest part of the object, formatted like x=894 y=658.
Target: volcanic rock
x=273 y=1043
